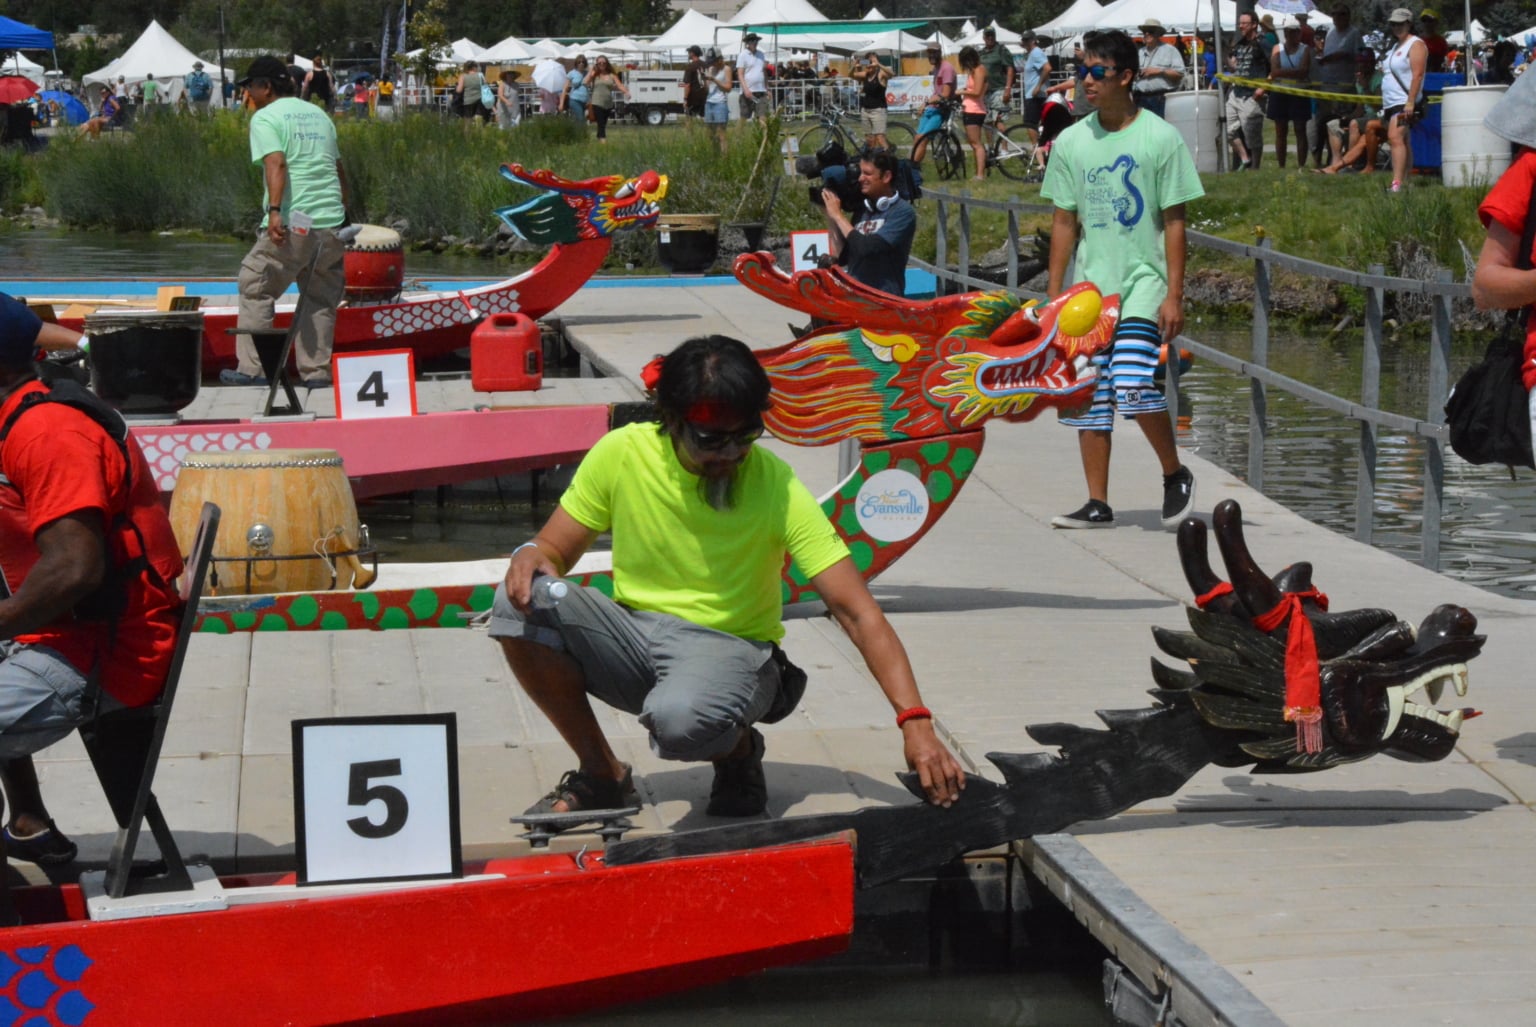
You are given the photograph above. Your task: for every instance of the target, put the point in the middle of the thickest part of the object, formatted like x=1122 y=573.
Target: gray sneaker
x=1092 y=514
x=1178 y=497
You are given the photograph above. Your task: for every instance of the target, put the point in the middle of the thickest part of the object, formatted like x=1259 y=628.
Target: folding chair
x=124 y=748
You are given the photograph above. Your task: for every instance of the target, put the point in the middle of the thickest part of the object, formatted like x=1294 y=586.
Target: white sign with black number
x=376 y=798
x=807 y=248
x=378 y=384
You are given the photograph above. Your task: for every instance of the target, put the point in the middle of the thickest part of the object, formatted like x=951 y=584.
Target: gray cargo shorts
x=693 y=688
x=42 y=699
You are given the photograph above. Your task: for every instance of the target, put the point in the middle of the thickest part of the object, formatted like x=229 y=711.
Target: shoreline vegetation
x=438 y=183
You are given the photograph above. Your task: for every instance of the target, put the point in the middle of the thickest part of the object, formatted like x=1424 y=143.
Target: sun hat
x=1287 y=23
x=1268 y=21
x=751 y=37
x=1151 y=24
x=1513 y=117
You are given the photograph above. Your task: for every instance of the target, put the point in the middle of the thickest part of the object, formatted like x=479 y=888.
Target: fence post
x=963 y=254
x=1013 y=247
x=1370 y=396
x=1434 y=455
x=941 y=241
x=1258 y=407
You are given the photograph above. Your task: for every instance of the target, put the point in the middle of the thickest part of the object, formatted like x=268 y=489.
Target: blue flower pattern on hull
x=1105 y=196
x=35 y=987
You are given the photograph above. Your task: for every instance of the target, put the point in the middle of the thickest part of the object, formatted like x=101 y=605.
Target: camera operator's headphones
x=882 y=204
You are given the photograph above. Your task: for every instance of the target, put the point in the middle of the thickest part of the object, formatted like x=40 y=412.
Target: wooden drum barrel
x=282 y=509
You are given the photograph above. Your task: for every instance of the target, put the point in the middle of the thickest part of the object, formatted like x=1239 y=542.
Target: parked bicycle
x=1008 y=149
x=838 y=123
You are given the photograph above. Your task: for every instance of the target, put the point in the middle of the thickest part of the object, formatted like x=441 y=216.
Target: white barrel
x=1470 y=153
x=1197 y=116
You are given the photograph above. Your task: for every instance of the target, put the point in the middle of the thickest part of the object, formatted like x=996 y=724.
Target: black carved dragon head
x=1370 y=663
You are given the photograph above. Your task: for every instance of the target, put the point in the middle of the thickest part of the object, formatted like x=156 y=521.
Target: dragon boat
x=576 y=219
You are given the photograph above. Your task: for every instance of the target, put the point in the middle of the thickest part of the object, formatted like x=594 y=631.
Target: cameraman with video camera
x=875 y=242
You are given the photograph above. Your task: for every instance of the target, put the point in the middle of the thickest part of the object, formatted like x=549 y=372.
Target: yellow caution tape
x=1312 y=94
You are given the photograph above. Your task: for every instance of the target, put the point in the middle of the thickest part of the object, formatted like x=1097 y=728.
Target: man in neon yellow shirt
x=701 y=521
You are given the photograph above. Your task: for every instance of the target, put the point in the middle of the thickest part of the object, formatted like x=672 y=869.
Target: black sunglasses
x=713 y=441
x=1096 y=72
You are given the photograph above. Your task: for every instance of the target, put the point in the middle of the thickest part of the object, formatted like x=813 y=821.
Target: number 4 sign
x=378 y=384
x=376 y=798
x=807 y=248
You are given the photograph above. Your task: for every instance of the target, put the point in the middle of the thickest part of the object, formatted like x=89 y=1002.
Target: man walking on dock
x=305 y=198
x=1119 y=180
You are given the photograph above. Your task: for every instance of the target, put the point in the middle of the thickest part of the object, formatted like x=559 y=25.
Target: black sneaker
x=1178 y=497
x=581 y=792
x=1092 y=514
x=740 y=790
x=230 y=376
x=46 y=848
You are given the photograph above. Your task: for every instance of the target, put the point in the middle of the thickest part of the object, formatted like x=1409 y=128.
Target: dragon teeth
x=1450 y=721
x=1459 y=678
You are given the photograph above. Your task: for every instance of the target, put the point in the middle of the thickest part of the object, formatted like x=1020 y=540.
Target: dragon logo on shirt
x=1128 y=204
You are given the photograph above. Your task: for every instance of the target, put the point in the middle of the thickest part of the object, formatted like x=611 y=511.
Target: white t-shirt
x=753 y=68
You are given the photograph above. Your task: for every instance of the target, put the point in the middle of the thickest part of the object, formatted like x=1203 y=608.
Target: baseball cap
x=18 y=332
x=1429 y=14
x=989 y=31
x=266 y=66
x=197 y=65
x=1400 y=16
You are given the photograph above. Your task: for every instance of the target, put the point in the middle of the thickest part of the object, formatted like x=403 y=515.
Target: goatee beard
x=719 y=493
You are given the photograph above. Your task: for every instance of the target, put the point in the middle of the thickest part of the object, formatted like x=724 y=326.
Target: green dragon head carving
x=570 y=212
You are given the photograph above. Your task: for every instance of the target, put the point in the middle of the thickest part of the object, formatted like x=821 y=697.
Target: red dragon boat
x=577 y=219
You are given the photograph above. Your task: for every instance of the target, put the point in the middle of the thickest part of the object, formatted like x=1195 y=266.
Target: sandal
x=582 y=792
x=46 y=848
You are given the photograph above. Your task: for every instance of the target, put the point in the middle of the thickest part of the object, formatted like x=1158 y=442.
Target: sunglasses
x=1096 y=72
x=714 y=441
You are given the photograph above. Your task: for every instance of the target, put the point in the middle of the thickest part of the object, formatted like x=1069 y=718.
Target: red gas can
x=506 y=354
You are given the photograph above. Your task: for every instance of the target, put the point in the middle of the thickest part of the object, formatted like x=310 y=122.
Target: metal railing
x=1375 y=284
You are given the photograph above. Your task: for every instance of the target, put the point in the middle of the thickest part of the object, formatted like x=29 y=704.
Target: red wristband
x=913 y=713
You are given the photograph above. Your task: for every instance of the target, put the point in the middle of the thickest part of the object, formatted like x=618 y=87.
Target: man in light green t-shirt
x=1119 y=180
x=701 y=521
x=305 y=205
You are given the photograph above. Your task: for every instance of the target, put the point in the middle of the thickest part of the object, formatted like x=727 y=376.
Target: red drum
x=375 y=265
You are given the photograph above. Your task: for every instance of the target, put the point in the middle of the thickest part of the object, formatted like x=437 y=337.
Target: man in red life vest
x=88 y=605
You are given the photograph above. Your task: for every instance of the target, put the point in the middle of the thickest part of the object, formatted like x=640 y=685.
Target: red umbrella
x=15 y=88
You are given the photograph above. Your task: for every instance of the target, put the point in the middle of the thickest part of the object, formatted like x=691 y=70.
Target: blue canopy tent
x=15 y=35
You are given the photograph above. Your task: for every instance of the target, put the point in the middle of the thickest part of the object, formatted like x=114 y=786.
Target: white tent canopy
x=16 y=64
x=1004 y=36
x=1080 y=17
x=156 y=52
x=694 y=28
x=767 y=12
x=510 y=51
x=874 y=15
x=891 y=42
x=1128 y=15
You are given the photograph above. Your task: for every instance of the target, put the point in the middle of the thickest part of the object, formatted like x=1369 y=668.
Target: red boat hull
x=549 y=938
x=432 y=325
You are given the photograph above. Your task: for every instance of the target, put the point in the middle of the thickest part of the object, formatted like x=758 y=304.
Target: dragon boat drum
x=375 y=265
x=289 y=520
x=144 y=362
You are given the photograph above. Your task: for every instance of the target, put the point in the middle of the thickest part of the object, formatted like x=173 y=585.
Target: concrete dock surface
x=1382 y=892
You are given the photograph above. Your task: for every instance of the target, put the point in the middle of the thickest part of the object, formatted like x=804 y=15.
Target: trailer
x=653 y=95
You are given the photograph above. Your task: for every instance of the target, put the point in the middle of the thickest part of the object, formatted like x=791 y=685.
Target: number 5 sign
x=380 y=384
x=376 y=798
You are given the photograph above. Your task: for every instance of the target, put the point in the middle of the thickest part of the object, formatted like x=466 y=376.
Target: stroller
x=1055 y=117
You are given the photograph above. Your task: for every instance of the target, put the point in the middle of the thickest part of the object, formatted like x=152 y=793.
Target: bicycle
x=1013 y=156
x=830 y=127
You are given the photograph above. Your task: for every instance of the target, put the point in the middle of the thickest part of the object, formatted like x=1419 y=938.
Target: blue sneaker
x=47 y=848
x=229 y=376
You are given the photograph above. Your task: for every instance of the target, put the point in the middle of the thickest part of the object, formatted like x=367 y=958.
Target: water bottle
x=547 y=592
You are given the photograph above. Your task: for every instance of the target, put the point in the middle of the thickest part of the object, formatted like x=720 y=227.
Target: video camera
x=836 y=171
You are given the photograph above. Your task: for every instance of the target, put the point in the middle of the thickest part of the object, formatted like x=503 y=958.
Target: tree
x=425 y=29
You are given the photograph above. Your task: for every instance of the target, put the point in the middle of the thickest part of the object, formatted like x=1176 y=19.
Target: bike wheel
x=948 y=156
x=901 y=137
x=817 y=136
x=1010 y=151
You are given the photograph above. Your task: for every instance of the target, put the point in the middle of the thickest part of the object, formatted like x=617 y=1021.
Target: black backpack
x=1488 y=412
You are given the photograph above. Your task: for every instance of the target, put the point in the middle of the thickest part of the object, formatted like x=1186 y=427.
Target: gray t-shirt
x=1339 y=42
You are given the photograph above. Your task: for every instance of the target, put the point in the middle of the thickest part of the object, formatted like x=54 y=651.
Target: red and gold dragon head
x=890 y=368
x=570 y=211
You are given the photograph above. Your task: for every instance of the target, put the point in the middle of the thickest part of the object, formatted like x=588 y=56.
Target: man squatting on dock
x=701 y=520
x=88 y=604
